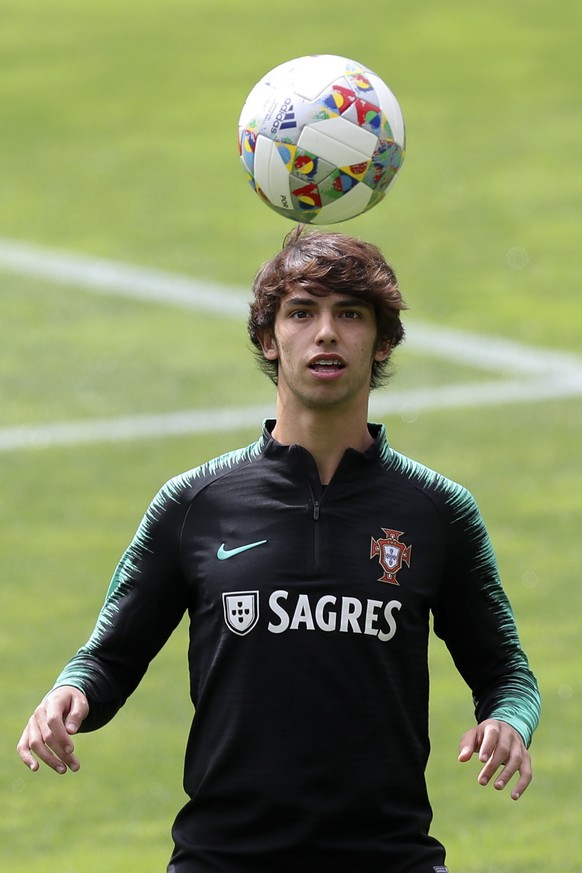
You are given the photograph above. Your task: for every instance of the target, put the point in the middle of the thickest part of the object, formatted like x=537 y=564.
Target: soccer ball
x=321 y=138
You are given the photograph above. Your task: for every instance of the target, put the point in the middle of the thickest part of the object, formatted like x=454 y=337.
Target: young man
x=309 y=563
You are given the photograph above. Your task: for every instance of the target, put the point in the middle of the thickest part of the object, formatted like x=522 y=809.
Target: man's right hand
x=48 y=732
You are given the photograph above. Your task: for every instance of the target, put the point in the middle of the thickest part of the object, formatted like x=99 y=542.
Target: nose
x=326 y=329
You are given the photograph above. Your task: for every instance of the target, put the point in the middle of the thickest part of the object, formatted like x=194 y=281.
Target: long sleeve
x=144 y=604
x=475 y=619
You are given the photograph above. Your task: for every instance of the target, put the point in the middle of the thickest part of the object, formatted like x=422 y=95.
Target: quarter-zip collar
x=352 y=460
x=297 y=466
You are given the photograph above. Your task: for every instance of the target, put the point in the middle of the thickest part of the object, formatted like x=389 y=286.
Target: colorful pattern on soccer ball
x=321 y=138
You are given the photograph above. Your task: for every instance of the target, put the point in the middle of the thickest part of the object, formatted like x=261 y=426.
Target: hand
x=49 y=730
x=498 y=745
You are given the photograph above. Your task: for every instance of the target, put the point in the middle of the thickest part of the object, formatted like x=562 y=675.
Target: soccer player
x=309 y=563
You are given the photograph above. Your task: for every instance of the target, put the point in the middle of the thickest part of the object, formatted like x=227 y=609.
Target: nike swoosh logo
x=223 y=554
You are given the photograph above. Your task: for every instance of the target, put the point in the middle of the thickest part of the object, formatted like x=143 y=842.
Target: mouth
x=327 y=365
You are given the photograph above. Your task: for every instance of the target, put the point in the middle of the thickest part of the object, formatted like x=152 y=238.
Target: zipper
x=316 y=533
x=315 y=514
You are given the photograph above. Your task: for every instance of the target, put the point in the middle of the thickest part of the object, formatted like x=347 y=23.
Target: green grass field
x=118 y=141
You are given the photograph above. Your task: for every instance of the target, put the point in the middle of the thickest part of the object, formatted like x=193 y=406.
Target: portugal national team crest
x=391 y=553
x=241 y=610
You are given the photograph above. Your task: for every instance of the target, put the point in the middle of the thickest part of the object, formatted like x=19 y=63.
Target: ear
x=268 y=345
x=382 y=350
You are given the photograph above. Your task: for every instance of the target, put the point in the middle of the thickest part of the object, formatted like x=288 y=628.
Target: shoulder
x=169 y=507
x=182 y=489
x=444 y=492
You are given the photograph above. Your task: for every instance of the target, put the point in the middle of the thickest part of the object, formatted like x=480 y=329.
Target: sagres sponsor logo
x=391 y=553
x=288 y=611
x=241 y=610
x=293 y=612
x=285 y=117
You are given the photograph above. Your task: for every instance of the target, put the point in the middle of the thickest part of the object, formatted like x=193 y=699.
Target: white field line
x=531 y=374
x=126 y=280
x=407 y=404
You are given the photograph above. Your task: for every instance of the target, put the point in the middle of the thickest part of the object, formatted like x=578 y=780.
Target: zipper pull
x=316 y=510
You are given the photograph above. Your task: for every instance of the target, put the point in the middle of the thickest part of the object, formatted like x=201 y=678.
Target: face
x=324 y=347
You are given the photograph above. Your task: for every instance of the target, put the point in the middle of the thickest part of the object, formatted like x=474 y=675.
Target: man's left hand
x=498 y=746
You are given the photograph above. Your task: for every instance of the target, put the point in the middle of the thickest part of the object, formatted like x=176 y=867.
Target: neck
x=325 y=434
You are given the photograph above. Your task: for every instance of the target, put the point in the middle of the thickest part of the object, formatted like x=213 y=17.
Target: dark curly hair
x=327 y=262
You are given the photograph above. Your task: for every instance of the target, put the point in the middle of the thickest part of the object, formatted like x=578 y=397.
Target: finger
x=497 y=760
x=522 y=784
x=55 y=735
x=495 y=751
x=508 y=772
x=33 y=744
x=64 y=719
x=26 y=756
x=47 y=736
x=50 y=740
x=518 y=761
x=513 y=757
x=468 y=745
x=489 y=742
x=525 y=776
x=58 y=756
x=78 y=713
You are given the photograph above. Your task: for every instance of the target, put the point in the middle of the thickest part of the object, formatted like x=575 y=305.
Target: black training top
x=309 y=613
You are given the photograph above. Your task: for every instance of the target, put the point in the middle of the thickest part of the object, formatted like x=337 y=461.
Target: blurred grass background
x=118 y=140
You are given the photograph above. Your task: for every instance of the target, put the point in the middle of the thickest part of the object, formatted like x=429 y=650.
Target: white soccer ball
x=321 y=138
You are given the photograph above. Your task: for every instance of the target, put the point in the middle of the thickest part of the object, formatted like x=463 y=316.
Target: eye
x=351 y=313
x=300 y=313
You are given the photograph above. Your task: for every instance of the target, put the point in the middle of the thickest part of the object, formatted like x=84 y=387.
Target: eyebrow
x=342 y=302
